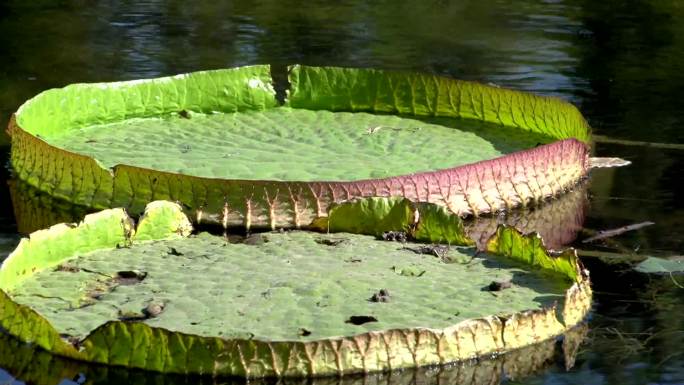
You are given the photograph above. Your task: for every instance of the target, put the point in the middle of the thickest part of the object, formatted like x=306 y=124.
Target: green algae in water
x=287 y=286
x=294 y=144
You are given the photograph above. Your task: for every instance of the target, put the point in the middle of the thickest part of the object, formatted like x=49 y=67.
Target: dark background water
x=620 y=61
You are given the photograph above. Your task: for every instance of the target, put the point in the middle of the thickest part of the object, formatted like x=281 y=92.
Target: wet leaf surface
x=274 y=288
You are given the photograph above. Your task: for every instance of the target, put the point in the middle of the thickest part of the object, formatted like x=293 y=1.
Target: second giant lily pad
x=220 y=143
x=152 y=296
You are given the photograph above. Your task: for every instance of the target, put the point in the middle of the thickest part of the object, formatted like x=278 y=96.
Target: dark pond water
x=620 y=61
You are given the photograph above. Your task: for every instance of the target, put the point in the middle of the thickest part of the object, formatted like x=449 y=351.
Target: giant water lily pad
x=298 y=303
x=220 y=143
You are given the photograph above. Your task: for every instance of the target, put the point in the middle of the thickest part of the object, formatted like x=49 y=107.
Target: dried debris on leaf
x=331 y=241
x=439 y=251
x=395 y=236
x=499 y=285
x=383 y=295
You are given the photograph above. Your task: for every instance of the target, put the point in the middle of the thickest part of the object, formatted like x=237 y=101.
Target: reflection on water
x=621 y=61
x=558 y=220
x=35 y=210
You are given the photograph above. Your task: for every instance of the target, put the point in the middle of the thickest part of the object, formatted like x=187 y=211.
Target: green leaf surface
x=351 y=89
x=371 y=216
x=436 y=224
x=530 y=249
x=423 y=222
x=47 y=248
x=78 y=105
x=274 y=290
x=293 y=144
x=162 y=219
